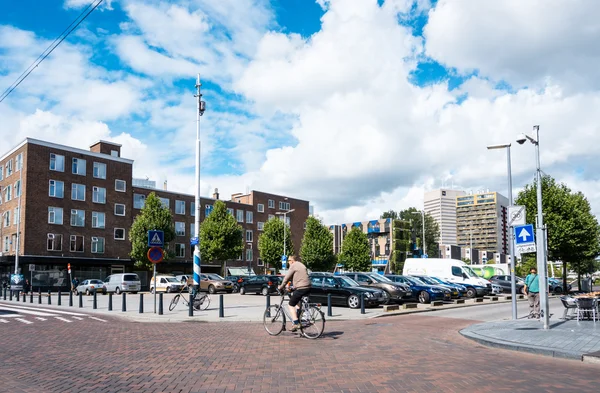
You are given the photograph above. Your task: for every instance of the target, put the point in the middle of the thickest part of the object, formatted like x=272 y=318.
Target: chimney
x=216 y=194
x=165 y=185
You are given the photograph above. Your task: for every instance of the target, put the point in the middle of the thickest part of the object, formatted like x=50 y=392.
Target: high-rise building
x=441 y=205
x=481 y=221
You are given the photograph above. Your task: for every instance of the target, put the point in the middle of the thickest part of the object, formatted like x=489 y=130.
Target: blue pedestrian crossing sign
x=156 y=238
x=284 y=262
x=524 y=234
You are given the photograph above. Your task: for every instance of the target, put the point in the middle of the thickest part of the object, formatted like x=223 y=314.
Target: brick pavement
x=412 y=353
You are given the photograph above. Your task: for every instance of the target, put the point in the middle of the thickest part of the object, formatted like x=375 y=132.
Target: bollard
x=40 y=296
x=110 y=301
x=70 y=298
x=124 y=303
x=18 y=296
x=4 y=293
x=190 y=307
x=141 y=303
x=95 y=301
x=221 y=307
x=268 y=305
x=80 y=300
x=31 y=297
x=329 y=313
x=160 y=303
x=362 y=303
x=49 y=297
x=24 y=297
x=59 y=301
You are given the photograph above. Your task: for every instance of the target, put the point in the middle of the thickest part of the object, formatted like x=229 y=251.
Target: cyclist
x=298 y=274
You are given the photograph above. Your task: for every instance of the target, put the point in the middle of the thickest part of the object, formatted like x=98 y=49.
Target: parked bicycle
x=312 y=319
x=200 y=301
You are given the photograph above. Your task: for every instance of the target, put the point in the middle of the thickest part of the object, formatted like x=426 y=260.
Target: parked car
x=395 y=292
x=237 y=281
x=344 y=291
x=214 y=283
x=555 y=285
x=165 y=284
x=263 y=284
x=504 y=282
x=462 y=290
x=454 y=294
x=123 y=282
x=421 y=291
x=90 y=286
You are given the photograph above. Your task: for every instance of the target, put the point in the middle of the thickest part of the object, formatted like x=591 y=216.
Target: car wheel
x=471 y=292
x=211 y=289
x=558 y=290
x=236 y=288
x=264 y=291
x=424 y=297
x=152 y=290
x=388 y=298
x=87 y=292
x=242 y=291
x=117 y=290
x=353 y=301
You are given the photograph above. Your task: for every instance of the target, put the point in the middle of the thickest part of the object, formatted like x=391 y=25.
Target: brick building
x=77 y=207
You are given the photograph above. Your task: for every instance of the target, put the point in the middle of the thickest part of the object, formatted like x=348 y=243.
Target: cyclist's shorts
x=297 y=295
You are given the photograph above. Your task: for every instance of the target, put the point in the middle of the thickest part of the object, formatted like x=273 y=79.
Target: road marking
x=14 y=307
x=97 y=319
x=78 y=318
x=23 y=320
x=63 y=319
x=3 y=321
x=30 y=312
x=41 y=319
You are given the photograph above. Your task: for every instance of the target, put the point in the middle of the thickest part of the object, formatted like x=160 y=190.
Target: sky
x=358 y=106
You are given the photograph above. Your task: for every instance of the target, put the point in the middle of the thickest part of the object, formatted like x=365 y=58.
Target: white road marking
x=3 y=321
x=63 y=319
x=97 y=319
x=23 y=320
x=41 y=319
x=78 y=318
x=48 y=310
x=30 y=312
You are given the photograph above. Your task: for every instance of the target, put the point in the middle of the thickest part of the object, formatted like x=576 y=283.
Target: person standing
x=74 y=284
x=532 y=287
x=26 y=287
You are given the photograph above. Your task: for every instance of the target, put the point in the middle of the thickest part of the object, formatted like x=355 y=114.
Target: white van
x=123 y=282
x=451 y=270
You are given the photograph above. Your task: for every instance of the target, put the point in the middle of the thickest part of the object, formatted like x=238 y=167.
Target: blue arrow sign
x=156 y=239
x=524 y=234
x=193 y=241
x=284 y=262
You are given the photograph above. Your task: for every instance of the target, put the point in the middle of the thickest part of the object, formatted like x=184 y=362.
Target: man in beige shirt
x=298 y=274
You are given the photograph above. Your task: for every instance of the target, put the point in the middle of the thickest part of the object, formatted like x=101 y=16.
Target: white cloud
x=84 y=3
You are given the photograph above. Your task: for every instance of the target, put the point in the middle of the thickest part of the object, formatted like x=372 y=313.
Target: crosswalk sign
x=156 y=238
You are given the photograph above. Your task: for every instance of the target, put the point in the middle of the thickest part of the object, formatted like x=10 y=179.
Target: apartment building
x=481 y=221
x=441 y=205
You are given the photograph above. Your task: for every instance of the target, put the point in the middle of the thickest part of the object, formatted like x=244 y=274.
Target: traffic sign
x=156 y=238
x=194 y=241
x=284 y=262
x=526 y=248
x=516 y=215
x=524 y=234
x=155 y=254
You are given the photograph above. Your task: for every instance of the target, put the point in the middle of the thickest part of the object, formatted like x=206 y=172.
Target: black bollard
x=329 y=313
x=124 y=303
x=110 y=301
x=59 y=301
x=49 y=297
x=40 y=296
x=160 y=303
x=18 y=296
x=4 y=293
x=24 y=297
x=268 y=301
x=70 y=298
x=80 y=300
x=141 y=303
x=362 y=303
x=10 y=297
x=95 y=301
x=31 y=297
x=221 y=307
x=191 y=306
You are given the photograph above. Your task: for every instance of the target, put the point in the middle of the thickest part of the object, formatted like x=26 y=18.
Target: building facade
x=441 y=205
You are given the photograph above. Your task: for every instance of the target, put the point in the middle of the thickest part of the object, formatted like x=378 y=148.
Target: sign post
x=525 y=238
x=156 y=242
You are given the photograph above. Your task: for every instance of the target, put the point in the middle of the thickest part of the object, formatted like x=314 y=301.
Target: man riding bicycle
x=298 y=274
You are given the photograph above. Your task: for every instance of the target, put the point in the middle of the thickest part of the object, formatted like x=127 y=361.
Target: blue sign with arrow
x=156 y=238
x=524 y=234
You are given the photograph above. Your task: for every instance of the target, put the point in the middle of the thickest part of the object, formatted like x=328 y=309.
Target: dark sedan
x=421 y=292
x=263 y=284
x=504 y=283
x=428 y=280
x=395 y=292
x=344 y=291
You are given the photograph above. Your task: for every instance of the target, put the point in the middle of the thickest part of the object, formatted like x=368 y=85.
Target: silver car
x=90 y=286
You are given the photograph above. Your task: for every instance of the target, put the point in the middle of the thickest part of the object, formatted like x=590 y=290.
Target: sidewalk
x=565 y=339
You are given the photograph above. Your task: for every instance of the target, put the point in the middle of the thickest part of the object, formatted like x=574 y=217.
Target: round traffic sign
x=155 y=254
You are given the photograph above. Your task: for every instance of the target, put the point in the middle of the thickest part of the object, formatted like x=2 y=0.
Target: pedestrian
x=532 y=288
x=26 y=287
x=74 y=284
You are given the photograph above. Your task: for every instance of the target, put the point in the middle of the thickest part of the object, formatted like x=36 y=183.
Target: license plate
x=227 y=286
x=455 y=293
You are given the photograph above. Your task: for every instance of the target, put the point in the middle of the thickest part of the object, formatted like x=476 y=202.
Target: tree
x=356 y=252
x=154 y=215
x=432 y=231
x=270 y=242
x=221 y=237
x=572 y=230
x=317 y=246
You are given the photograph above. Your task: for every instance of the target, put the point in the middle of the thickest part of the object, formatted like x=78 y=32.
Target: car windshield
x=428 y=280
x=172 y=279
x=469 y=272
x=96 y=282
x=437 y=280
x=380 y=278
x=347 y=282
x=414 y=280
x=214 y=276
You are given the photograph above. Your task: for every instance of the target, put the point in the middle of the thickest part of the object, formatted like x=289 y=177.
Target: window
x=138 y=201
x=78 y=166
x=260 y=262
x=99 y=170
x=193 y=230
x=98 y=220
x=13 y=241
x=6 y=219
x=120 y=185
x=119 y=233
x=57 y=162
x=77 y=218
x=16 y=216
x=165 y=201
x=207 y=210
x=249 y=217
x=284 y=205
x=99 y=195
x=55 y=215
x=271 y=204
x=9 y=168
x=54 y=242
x=260 y=225
x=7 y=193
x=119 y=209
x=97 y=245
x=76 y=243
x=180 y=250
x=240 y=216
x=260 y=208
x=248 y=254
x=457 y=271
x=19 y=161
x=57 y=189
x=17 y=188
x=248 y=235
x=114 y=153
x=231 y=211
x=271 y=216
x=1 y=172
x=180 y=228
x=78 y=192
x=193 y=209
x=179 y=207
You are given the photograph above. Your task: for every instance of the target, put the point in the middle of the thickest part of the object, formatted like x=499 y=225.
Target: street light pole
x=284 y=214
x=197 y=256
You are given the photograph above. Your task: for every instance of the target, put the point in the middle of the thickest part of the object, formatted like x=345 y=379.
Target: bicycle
x=312 y=319
x=199 y=302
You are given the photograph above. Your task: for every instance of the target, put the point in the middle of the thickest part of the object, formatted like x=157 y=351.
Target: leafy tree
x=414 y=217
x=573 y=232
x=270 y=242
x=153 y=216
x=221 y=237
x=390 y=214
x=400 y=244
x=356 y=252
x=317 y=246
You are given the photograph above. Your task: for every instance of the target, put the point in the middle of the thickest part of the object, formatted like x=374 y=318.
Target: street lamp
x=540 y=229
x=197 y=256
x=284 y=214
x=513 y=281
x=422 y=213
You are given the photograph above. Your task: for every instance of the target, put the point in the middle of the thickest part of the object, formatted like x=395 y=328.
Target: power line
x=57 y=41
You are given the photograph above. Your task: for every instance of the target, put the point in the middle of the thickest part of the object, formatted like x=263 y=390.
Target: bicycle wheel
x=173 y=303
x=274 y=320
x=201 y=303
x=312 y=322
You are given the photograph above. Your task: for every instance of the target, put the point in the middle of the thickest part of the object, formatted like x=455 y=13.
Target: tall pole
x=19 y=219
x=284 y=227
x=424 y=242
x=197 y=256
x=541 y=248
x=511 y=248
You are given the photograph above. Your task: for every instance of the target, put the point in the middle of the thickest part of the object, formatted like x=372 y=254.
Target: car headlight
x=368 y=294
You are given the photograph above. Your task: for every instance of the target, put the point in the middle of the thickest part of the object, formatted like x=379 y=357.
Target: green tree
x=317 y=246
x=356 y=252
x=153 y=216
x=270 y=242
x=572 y=230
x=415 y=218
x=400 y=244
x=221 y=237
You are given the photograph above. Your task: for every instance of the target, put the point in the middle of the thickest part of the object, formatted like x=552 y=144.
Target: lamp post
x=197 y=256
x=284 y=214
x=511 y=248
x=540 y=229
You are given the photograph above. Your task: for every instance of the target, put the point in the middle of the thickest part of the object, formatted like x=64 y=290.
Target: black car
x=237 y=281
x=395 y=292
x=504 y=282
x=344 y=291
x=263 y=284
x=421 y=291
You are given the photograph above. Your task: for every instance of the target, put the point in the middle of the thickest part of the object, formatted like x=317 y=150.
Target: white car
x=166 y=284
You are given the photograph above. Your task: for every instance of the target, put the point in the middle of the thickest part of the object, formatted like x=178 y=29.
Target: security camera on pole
x=197 y=257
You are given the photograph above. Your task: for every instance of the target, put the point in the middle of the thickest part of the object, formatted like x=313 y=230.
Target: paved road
x=498 y=311
x=410 y=353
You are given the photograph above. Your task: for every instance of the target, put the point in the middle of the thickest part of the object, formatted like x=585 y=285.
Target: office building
x=441 y=205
